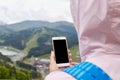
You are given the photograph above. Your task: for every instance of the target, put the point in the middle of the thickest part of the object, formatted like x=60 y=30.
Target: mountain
x=26 y=25
x=34 y=37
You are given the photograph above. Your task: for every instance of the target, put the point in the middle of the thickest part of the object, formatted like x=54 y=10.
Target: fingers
x=52 y=56
x=53 y=65
x=74 y=63
x=68 y=51
x=70 y=59
x=70 y=56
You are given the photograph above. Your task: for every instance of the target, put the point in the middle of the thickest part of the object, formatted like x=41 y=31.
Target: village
x=42 y=66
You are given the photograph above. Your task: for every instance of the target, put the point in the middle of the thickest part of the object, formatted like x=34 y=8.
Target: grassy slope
x=74 y=50
x=1 y=41
x=75 y=53
x=32 y=42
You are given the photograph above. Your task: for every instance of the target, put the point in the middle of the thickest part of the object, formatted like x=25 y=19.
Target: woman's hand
x=53 y=65
x=70 y=59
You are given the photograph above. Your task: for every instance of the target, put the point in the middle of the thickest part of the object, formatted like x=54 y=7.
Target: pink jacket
x=98 y=26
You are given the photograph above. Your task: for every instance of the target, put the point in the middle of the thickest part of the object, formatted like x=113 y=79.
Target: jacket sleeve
x=59 y=75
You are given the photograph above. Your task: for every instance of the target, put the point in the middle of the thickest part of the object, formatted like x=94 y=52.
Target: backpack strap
x=87 y=71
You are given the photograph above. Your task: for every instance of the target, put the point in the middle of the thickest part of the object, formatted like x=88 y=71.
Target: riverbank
x=13 y=54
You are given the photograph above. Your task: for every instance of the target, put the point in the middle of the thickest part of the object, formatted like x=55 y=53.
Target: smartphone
x=60 y=48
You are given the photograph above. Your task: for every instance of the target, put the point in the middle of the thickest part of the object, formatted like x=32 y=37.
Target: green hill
x=34 y=37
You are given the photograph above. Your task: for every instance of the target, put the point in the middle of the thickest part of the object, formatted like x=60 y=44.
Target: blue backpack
x=87 y=71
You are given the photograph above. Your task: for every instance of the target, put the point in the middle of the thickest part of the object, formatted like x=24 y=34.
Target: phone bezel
x=61 y=38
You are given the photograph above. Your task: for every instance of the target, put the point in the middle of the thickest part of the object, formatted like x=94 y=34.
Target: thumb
x=53 y=65
x=52 y=58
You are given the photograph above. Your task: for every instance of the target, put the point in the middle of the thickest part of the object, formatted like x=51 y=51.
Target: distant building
x=42 y=65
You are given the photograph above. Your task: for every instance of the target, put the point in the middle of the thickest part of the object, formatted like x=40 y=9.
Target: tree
x=4 y=73
x=20 y=75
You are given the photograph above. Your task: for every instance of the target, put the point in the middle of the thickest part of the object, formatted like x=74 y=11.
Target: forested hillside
x=34 y=37
x=8 y=70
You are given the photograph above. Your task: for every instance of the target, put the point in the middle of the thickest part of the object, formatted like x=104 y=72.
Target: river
x=14 y=55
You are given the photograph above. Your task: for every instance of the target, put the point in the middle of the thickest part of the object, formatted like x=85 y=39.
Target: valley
x=28 y=44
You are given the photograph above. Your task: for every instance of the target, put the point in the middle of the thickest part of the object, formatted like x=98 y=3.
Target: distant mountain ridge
x=34 y=37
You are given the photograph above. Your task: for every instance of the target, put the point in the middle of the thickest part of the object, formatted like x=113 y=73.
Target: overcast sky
x=12 y=11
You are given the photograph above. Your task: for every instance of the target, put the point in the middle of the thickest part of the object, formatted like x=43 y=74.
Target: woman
x=98 y=26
